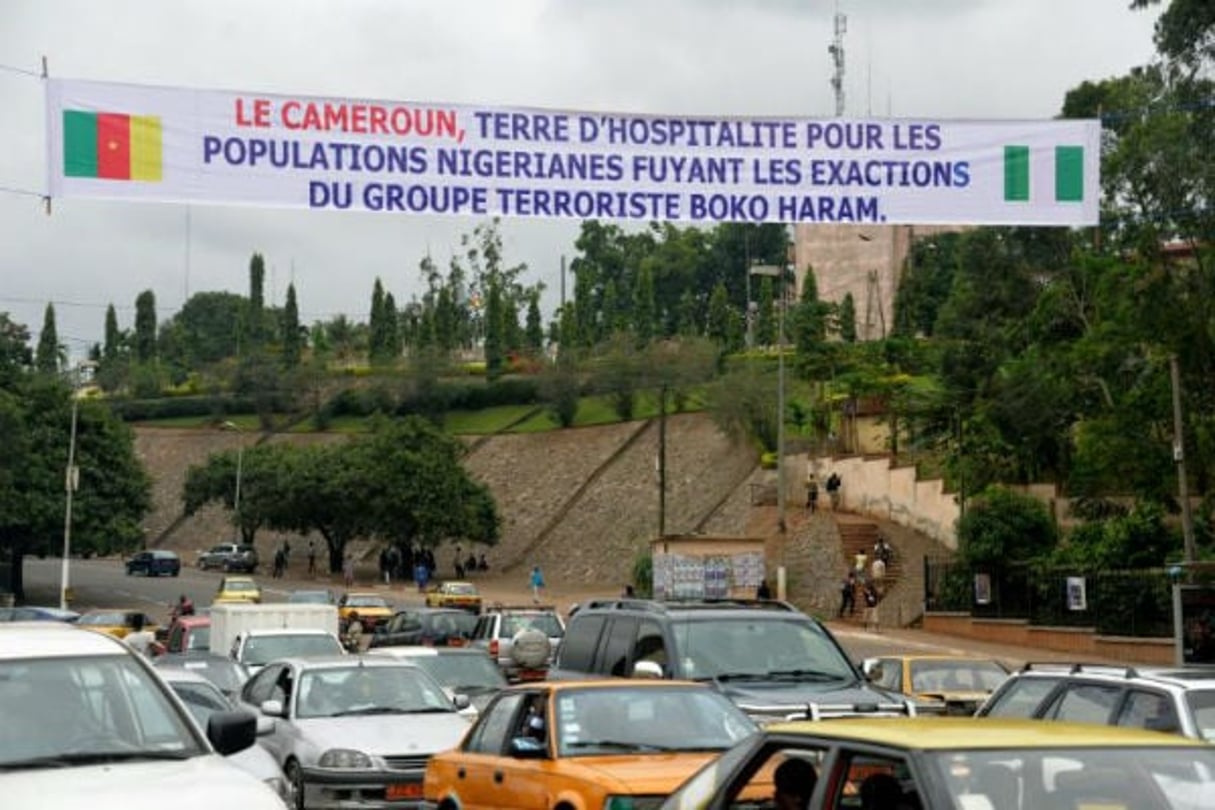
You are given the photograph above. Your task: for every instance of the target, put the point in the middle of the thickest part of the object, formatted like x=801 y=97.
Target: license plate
x=532 y=674
x=409 y=790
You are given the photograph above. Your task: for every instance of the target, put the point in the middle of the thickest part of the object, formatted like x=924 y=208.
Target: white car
x=354 y=731
x=459 y=670
x=204 y=699
x=253 y=649
x=85 y=721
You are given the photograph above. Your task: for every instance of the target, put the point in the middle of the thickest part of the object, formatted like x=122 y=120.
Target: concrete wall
x=1082 y=642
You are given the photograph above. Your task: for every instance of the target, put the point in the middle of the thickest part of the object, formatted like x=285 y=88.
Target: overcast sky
x=922 y=58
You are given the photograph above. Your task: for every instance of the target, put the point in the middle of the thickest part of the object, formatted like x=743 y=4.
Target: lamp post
x=777 y=272
x=71 y=482
x=240 y=458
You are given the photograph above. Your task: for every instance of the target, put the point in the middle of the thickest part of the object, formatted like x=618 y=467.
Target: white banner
x=166 y=144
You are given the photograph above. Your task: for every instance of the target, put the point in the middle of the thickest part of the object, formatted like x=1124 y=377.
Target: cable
x=22 y=71
x=23 y=191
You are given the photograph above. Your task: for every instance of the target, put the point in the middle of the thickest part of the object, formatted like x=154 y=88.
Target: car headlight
x=633 y=802
x=281 y=787
x=344 y=758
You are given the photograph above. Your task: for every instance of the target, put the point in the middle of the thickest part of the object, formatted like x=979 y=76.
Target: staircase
x=859 y=535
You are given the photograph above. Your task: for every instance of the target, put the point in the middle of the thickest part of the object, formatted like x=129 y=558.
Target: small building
x=698 y=566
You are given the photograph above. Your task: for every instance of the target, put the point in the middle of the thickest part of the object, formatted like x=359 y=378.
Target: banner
x=166 y=144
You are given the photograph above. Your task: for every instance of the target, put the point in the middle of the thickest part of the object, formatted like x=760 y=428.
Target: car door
x=1149 y=709
x=477 y=779
x=1085 y=702
x=528 y=780
x=264 y=686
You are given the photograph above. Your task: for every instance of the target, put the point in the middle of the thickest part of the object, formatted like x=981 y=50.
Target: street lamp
x=240 y=458
x=777 y=272
x=71 y=482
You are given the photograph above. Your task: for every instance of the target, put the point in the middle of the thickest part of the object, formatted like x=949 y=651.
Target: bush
x=1001 y=526
x=143 y=410
x=643 y=575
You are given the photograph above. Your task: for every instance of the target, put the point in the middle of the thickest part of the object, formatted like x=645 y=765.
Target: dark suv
x=154 y=564
x=230 y=557
x=772 y=660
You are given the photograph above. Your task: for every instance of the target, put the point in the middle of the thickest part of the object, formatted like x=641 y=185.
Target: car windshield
x=260 y=650
x=455 y=623
x=1202 y=704
x=239 y=585
x=366 y=602
x=956 y=676
x=103 y=619
x=460 y=589
x=463 y=672
x=759 y=647
x=1122 y=778
x=202 y=699
x=354 y=690
x=199 y=638
x=65 y=711
x=592 y=722
x=546 y=623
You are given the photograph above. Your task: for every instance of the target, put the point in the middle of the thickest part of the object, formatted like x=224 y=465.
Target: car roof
x=1182 y=677
x=949 y=733
x=609 y=683
x=20 y=640
x=707 y=609
x=182 y=675
x=409 y=651
x=288 y=631
x=345 y=662
x=459 y=582
x=938 y=657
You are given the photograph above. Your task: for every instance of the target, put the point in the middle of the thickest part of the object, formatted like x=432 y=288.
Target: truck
x=254 y=635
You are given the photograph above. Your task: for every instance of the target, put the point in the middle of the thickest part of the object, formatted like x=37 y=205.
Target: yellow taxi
x=118 y=623
x=591 y=744
x=957 y=762
x=960 y=683
x=455 y=594
x=372 y=609
x=238 y=589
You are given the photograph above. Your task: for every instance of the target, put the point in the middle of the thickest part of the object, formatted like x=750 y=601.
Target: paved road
x=103 y=583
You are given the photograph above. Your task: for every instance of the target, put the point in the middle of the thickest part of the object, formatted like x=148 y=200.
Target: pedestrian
x=629 y=593
x=140 y=638
x=311 y=557
x=385 y=567
x=280 y=562
x=883 y=550
x=348 y=570
x=537 y=583
x=878 y=572
x=763 y=591
x=470 y=564
x=848 y=594
x=833 y=490
x=286 y=554
x=811 y=495
x=482 y=563
x=872 y=598
x=421 y=574
x=859 y=562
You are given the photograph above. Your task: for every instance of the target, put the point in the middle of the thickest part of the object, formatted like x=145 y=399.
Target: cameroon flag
x=111 y=146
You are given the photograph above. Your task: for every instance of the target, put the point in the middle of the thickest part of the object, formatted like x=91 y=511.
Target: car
x=87 y=722
x=523 y=639
x=318 y=596
x=354 y=731
x=238 y=589
x=443 y=627
x=372 y=609
x=589 y=744
x=227 y=675
x=959 y=683
x=455 y=594
x=157 y=563
x=204 y=699
x=118 y=623
x=959 y=762
x=37 y=613
x=186 y=634
x=256 y=647
x=774 y=661
x=230 y=557
x=460 y=670
x=1176 y=699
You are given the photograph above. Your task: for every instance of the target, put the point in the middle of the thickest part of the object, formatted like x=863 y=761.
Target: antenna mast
x=836 y=49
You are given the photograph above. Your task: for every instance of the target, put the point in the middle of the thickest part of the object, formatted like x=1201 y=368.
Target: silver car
x=355 y=732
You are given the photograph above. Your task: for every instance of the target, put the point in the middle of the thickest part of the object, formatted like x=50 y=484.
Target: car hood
x=386 y=734
x=203 y=782
x=648 y=774
x=768 y=698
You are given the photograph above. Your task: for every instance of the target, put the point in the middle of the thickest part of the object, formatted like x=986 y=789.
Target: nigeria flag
x=1069 y=174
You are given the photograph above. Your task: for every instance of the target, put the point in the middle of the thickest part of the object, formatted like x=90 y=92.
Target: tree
x=1001 y=526
x=145 y=327
x=847 y=319
x=495 y=354
x=765 y=317
x=809 y=318
x=379 y=344
x=534 y=330
x=257 y=303
x=113 y=336
x=263 y=467
x=720 y=315
x=644 y=315
x=743 y=404
x=293 y=336
x=560 y=390
x=50 y=352
x=391 y=328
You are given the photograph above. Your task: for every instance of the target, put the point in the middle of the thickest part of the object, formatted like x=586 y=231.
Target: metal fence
x=1123 y=603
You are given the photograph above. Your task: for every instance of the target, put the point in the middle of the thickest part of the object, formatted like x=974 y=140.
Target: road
x=103 y=583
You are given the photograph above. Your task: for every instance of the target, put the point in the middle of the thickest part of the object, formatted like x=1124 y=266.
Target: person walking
x=848 y=594
x=763 y=591
x=811 y=495
x=537 y=583
x=348 y=570
x=833 y=490
x=311 y=557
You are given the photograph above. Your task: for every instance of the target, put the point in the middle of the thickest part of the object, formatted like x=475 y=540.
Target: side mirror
x=265 y=726
x=648 y=669
x=460 y=701
x=273 y=708
x=231 y=732
x=528 y=748
x=872 y=669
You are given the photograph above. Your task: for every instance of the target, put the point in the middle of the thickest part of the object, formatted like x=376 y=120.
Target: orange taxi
x=118 y=623
x=455 y=594
x=373 y=609
x=587 y=744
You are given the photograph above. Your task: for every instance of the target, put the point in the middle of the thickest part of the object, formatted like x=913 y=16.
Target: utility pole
x=662 y=461
x=1183 y=487
x=836 y=49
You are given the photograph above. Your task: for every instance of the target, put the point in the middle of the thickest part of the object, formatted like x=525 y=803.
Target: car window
x=1202 y=706
x=1084 y=703
x=942 y=675
x=264 y=649
x=199 y=638
x=757 y=645
x=546 y=623
x=650 y=645
x=578 y=649
x=614 y=660
x=257 y=690
x=202 y=699
x=1150 y=710
x=876 y=781
x=1020 y=697
x=892 y=674
x=489 y=735
x=365 y=690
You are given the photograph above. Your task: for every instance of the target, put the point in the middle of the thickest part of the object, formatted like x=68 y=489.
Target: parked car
x=774 y=661
x=156 y=563
x=959 y=762
x=204 y=699
x=1175 y=699
x=227 y=675
x=319 y=596
x=460 y=670
x=355 y=732
x=238 y=589
x=594 y=744
x=230 y=557
x=372 y=608
x=454 y=594
x=959 y=683
x=87 y=722
x=523 y=639
x=37 y=613
x=117 y=623
x=432 y=627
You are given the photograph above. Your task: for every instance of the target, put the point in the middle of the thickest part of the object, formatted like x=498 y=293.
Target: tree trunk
x=17 y=572
x=336 y=545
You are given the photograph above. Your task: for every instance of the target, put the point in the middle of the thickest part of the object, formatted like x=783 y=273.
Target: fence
x=1123 y=603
